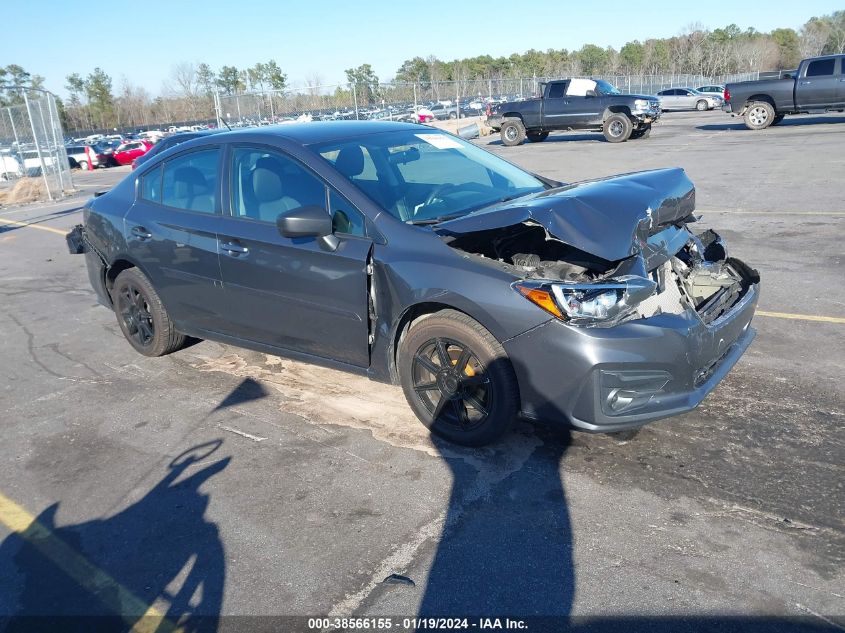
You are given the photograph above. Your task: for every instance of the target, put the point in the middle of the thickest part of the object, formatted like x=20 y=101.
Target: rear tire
x=617 y=128
x=142 y=317
x=537 y=137
x=759 y=115
x=458 y=379
x=84 y=165
x=512 y=132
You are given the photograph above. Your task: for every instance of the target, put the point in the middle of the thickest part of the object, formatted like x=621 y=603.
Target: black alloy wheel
x=452 y=384
x=133 y=308
x=457 y=378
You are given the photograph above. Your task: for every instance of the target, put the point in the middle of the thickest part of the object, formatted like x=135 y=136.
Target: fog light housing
x=625 y=391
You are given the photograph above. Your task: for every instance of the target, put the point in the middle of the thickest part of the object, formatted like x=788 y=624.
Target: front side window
x=557 y=91
x=821 y=67
x=190 y=181
x=266 y=183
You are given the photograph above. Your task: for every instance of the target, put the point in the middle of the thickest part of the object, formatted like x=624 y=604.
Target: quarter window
x=821 y=67
x=151 y=185
x=346 y=219
x=190 y=181
x=265 y=184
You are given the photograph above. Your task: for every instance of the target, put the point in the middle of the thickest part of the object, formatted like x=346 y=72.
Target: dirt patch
x=328 y=396
x=25 y=190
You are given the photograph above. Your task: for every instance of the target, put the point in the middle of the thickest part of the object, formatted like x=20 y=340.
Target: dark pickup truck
x=817 y=86
x=575 y=104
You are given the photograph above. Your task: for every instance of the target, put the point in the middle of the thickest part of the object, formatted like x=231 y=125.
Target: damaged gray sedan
x=419 y=259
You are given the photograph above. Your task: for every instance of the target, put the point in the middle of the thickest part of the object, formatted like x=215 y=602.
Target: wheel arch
x=117 y=265
x=415 y=312
x=761 y=97
x=615 y=109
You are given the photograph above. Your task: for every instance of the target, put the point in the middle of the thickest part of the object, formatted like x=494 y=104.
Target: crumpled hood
x=610 y=218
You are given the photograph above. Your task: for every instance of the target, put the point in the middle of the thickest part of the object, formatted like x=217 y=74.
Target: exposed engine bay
x=685 y=271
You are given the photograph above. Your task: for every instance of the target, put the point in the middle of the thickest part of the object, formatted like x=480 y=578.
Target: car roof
x=323 y=131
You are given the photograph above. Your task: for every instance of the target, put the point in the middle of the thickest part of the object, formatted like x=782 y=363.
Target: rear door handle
x=234 y=249
x=141 y=233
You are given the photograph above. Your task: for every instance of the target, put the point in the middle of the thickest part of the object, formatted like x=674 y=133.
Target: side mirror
x=308 y=221
x=590 y=93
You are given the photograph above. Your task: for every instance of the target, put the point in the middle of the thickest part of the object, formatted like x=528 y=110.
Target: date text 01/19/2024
x=414 y=624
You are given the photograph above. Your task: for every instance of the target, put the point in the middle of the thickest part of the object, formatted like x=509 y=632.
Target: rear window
x=821 y=67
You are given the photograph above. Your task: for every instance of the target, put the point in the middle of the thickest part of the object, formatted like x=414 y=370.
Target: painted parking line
x=144 y=618
x=30 y=225
x=800 y=317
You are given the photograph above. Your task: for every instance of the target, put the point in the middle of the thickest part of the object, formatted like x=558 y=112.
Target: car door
x=171 y=232
x=818 y=84
x=561 y=110
x=840 y=90
x=668 y=99
x=294 y=293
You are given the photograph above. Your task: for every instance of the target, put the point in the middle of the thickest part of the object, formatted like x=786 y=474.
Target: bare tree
x=813 y=37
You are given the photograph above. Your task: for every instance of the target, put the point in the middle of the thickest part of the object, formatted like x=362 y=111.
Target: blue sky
x=143 y=40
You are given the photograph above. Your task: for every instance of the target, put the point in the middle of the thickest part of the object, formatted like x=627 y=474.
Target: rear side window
x=821 y=67
x=151 y=185
x=190 y=181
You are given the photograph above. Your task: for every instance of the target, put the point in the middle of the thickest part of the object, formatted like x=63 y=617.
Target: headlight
x=641 y=103
x=602 y=303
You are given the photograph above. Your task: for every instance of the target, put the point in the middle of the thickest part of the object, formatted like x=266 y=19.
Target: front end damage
x=647 y=316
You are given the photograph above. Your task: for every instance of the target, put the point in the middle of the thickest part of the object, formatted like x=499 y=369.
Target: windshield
x=425 y=176
x=604 y=88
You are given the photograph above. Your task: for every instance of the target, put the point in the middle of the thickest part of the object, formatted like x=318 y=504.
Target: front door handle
x=234 y=249
x=141 y=233
x=804 y=83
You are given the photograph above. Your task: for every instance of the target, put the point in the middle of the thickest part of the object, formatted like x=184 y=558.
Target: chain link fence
x=32 y=143
x=397 y=100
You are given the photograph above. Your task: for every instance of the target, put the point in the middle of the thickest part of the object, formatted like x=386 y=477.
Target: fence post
x=15 y=134
x=355 y=99
x=37 y=148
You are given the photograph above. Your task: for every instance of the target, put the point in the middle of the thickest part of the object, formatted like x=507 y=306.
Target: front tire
x=701 y=105
x=537 y=137
x=142 y=317
x=458 y=379
x=759 y=115
x=512 y=132
x=617 y=128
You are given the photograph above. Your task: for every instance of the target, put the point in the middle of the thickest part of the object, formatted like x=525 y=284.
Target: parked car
x=714 y=89
x=79 y=156
x=688 y=99
x=423 y=260
x=127 y=152
x=168 y=142
x=817 y=86
x=10 y=167
x=575 y=104
x=442 y=112
x=422 y=115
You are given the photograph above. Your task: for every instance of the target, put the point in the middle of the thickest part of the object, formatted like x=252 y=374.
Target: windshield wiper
x=437 y=220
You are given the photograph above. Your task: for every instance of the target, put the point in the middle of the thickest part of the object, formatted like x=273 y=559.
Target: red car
x=129 y=151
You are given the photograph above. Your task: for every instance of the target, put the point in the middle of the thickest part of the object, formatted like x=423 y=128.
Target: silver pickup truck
x=817 y=86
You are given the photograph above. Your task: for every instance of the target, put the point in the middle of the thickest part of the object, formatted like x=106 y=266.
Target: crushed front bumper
x=622 y=377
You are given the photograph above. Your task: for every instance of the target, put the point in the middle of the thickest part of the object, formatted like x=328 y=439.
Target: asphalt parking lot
x=220 y=482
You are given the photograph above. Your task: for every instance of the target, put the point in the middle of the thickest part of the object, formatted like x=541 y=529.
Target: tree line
x=94 y=102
